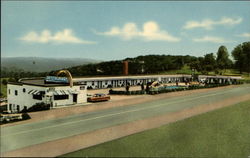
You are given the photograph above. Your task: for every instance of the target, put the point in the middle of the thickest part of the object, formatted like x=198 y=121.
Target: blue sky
x=119 y=29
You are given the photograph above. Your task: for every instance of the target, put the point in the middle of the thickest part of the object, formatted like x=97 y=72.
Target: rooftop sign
x=54 y=79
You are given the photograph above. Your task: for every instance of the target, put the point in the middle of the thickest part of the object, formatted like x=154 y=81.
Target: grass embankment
x=220 y=133
x=3 y=88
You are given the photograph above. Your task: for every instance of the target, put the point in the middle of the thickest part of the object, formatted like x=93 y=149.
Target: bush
x=11 y=80
x=26 y=116
x=39 y=107
x=4 y=82
x=127 y=92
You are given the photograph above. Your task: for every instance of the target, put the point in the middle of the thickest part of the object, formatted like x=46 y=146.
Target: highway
x=23 y=135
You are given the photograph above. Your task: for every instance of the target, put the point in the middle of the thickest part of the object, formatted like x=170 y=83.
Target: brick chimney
x=125 y=67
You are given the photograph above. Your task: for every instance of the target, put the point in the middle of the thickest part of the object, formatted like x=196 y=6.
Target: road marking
x=113 y=114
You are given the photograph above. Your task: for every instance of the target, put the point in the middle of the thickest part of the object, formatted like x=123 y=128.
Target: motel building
x=28 y=92
x=122 y=81
x=69 y=91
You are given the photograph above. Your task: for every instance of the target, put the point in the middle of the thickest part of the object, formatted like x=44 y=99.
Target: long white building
x=121 y=81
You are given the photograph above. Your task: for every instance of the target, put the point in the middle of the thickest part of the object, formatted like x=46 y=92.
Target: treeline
x=139 y=65
x=218 y=64
x=152 y=64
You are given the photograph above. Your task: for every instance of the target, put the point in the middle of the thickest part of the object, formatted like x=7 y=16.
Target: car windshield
x=99 y=95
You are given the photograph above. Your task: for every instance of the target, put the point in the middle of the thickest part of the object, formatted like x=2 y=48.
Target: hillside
x=148 y=64
x=39 y=64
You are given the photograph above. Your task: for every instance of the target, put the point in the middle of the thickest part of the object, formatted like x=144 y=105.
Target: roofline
x=30 y=84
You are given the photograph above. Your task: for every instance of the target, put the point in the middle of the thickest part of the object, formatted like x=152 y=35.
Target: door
x=18 y=108
x=74 y=98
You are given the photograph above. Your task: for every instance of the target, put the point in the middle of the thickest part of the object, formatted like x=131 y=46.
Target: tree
x=209 y=63
x=4 y=82
x=197 y=64
x=222 y=60
x=241 y=55
x=11 y=80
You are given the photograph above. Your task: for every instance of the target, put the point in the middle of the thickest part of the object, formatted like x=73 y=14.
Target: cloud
x=211 y=39
x=208 y=24
x=149 y=32
x=64 y=36
x=247 y=35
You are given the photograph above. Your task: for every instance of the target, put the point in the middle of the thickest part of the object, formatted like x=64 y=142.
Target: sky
x=114 y=30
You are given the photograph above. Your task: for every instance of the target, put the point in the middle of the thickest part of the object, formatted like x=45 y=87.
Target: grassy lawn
x=184 y=70
x=220 y=133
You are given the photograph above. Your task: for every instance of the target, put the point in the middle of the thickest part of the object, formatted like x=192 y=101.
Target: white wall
x=22 y=98
x=82 y=95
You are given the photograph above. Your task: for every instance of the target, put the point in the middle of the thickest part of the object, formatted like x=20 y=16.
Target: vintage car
x=98 y=97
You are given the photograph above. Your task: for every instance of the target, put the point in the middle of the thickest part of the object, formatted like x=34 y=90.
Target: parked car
x=98 y=97
x=10 y=117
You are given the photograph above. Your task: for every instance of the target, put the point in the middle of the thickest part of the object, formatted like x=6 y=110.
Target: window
x=52 y=89
x=24 y=90
x=37 y=97
x=16 y=92
x=61 y=97
x=10 y=107
x=9 y=91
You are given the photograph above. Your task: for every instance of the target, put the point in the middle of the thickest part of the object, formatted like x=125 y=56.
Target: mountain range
x=41 y=64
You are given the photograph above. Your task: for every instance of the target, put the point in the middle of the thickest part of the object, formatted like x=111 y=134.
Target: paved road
x=23 y=135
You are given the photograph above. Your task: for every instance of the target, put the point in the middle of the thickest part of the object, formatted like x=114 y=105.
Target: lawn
x=221 y=133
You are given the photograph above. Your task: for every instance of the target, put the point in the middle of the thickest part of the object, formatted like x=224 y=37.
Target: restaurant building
x=28 y=92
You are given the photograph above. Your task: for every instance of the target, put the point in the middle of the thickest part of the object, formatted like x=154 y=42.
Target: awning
x=61 y=92
x=35 y=92
x=64 y=92
x=72 y=92
x=31 y=91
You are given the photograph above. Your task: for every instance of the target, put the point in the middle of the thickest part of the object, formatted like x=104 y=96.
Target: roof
x=75 y=79
x=38 y=82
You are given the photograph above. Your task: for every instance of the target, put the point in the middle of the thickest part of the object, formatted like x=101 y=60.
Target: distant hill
x=40 y=64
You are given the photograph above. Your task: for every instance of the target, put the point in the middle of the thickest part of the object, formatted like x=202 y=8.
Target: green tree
x=209 y=63
x=11 y=80
x=197 y=64
x=4 y=82
x=222 y=60
x=241 y=55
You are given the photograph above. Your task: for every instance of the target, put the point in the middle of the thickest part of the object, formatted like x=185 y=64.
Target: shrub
x=39 y=107
x=25 y=116
x=4 y=82
x=11 y=80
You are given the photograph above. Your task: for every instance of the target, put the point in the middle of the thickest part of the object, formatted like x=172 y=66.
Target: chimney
x=125 y=67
